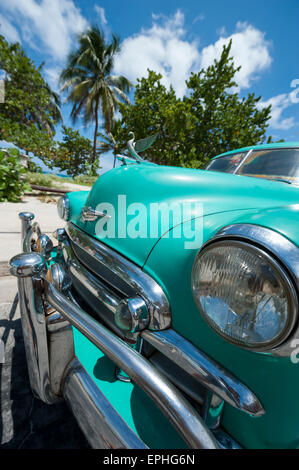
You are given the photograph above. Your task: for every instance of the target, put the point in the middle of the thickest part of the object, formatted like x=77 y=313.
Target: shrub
x=12 y=181
x=40 y=179
x=85 y=179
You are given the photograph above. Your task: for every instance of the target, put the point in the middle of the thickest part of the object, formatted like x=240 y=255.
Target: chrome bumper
x=101 y=424
x=55 y=373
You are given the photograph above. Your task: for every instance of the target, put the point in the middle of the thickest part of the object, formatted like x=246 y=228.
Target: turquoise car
x=167 y=313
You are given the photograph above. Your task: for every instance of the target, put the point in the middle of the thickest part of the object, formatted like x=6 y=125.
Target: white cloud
x=221 y=31
x=101 y=12
x=278 y=104
x=103 y=20
x=165 y=49
x=200 y=17
x=53 y=24
x=8 y=30
x=48 y=23
x=162 y=48
x=52 y=77
x=249 y=49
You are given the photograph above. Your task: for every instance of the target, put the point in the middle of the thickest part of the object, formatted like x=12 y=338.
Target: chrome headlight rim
x=63 y=208
x=229 y=235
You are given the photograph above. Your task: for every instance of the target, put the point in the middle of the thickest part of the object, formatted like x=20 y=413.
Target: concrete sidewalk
x=10 y=224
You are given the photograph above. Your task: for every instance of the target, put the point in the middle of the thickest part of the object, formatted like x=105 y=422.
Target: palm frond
x=108 y=109
x=121 y=94
x=88 y=81
x=121 y=82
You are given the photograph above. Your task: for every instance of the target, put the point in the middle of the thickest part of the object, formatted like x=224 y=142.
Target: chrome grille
x=115 y=276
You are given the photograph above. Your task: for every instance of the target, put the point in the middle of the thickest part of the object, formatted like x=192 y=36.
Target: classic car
x=167 y=313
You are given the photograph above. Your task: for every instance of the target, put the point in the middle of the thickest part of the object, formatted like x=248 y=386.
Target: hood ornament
x=140 y=145
x=90 y=215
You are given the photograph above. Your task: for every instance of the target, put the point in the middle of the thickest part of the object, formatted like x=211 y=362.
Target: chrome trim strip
x=102 y=300
x=125 y=276
x=102 y=425
x=171 y=402
x=278 y=246
x=241 y=162
x=204 y=369
x=274 y=242
x=105 y=295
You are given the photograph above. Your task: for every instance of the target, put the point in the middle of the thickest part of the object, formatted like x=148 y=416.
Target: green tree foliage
x=108 y=143
x=31 y=108
x=12 y=182
x=211 y=119
x=156 y=111
x=92 y=88
x=224 y=120
x=73 y=153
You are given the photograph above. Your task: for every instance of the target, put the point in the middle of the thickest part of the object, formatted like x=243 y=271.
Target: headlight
x=63 y=207
x=244 y=294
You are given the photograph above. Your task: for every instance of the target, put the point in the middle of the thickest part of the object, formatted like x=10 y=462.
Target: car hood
x=136 y=187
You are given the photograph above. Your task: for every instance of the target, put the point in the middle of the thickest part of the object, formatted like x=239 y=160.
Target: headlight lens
x=244 y=294
x=63 y=207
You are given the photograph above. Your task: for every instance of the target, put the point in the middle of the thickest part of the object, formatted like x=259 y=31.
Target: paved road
x=25 y=421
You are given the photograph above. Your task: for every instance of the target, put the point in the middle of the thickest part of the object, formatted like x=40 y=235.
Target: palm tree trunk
x=94 y=153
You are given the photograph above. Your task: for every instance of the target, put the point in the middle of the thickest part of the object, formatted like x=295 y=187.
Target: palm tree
x=54 y=107
x=53 y=116
x=92 y=88
x=45 y=118
x=108 y=143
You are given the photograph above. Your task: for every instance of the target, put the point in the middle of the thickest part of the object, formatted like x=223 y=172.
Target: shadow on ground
x=25 y=421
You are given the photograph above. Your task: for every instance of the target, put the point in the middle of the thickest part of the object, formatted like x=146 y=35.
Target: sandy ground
x=74 y=187
x=10 y=224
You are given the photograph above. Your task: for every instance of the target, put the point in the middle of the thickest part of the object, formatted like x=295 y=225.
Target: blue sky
x=175 y=38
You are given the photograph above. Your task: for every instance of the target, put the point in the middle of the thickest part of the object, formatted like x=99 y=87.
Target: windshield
x=274 y=164
x=227 y=164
